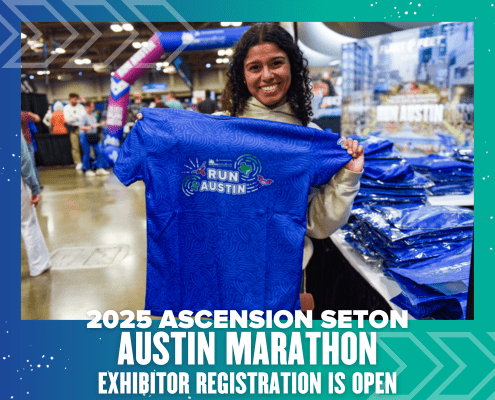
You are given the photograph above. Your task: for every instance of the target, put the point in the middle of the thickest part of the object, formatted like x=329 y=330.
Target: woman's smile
x=267 y=74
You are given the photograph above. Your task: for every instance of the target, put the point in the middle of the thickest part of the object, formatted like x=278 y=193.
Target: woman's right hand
x=139 y=116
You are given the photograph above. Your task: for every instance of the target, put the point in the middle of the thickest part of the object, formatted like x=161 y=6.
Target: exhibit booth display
x=414 y=87
x=408 y=97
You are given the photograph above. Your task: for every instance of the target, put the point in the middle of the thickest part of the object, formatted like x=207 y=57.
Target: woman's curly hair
x=299 y=93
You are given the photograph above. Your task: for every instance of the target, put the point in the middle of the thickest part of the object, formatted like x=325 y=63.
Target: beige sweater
x=329 y=208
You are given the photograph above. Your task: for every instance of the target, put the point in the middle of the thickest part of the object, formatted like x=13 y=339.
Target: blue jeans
x=87 y=152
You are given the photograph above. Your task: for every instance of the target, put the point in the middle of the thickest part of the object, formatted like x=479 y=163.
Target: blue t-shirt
x=226 y=202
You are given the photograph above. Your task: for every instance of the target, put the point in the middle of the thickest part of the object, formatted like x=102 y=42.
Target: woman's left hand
x=357 y=152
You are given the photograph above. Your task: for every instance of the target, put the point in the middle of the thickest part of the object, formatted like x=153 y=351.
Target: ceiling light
x=40 y=72
x=219 y=60
x=166 y=64
x=86 y=61
x=208 y=65
x=112 y=73
x=144 y=44
x=79 y=61
x=229 y=52
x=116 y=28
x=136 y=45
x=53 y=52
x=224 y=23
x=31 y=76
x=221 y=52
x=236 y=23
x=158 y=68
x=158 y=64
x=23 y=36
x=59 y=50
x=128 y=27
x=80 y=73
x=226 y=60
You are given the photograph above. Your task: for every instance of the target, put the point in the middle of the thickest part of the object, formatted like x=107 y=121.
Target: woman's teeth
x=269 y=88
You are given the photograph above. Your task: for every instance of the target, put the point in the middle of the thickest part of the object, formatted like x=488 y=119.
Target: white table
x=460 y=200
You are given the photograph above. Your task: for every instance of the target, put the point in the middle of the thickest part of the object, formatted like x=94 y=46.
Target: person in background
x=58 y=120
x=158 y=100
x=268 y=79
x=36 y=250
x=137 y=105
x=89 y=137
x=47 y=118
x=172 y=102
x=28 y=117
x=208 y=106
x=72 y=115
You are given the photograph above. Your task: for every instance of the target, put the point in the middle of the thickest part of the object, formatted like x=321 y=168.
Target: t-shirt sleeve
x=329 y=156
x=131 y=162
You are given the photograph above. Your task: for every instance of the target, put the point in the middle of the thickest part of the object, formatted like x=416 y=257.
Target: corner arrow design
x=12 y=5
x=132 y=5
x=461 y=366
x=403 y=365
x=96 y=33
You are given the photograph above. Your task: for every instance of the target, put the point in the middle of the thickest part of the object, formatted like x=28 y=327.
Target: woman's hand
x=357 y=152
x=35 y=198
x=139 y=116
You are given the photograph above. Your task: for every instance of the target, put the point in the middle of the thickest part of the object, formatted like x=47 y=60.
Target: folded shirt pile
x=451 y=177
x=425 y=249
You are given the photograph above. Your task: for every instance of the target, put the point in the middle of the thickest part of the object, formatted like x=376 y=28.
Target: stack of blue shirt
x=425 y=249
x=451 y=177
x=387 y=178
x=391 y=182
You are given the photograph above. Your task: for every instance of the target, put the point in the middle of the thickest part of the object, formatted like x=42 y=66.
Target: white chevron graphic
x=12 y=5
x=403 y=366
x=72 y=5
x=436 y=337
x=132 y=5
x=12 y=30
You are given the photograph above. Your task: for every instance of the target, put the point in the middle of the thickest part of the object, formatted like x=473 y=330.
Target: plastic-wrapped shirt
x=226 y=202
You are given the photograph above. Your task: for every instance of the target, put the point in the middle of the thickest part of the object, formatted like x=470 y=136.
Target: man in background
x=172 y=102
x=208 y=106
x=72 y=114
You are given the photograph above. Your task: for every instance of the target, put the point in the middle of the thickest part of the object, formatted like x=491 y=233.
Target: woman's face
x=267 y=74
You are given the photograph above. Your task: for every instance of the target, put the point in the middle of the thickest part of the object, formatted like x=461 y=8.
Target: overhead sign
x=154 y=87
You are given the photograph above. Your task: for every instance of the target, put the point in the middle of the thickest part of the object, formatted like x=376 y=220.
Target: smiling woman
x=267 y=74
x=269 y=67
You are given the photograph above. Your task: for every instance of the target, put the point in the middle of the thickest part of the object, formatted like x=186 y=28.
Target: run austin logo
x=237 y=177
